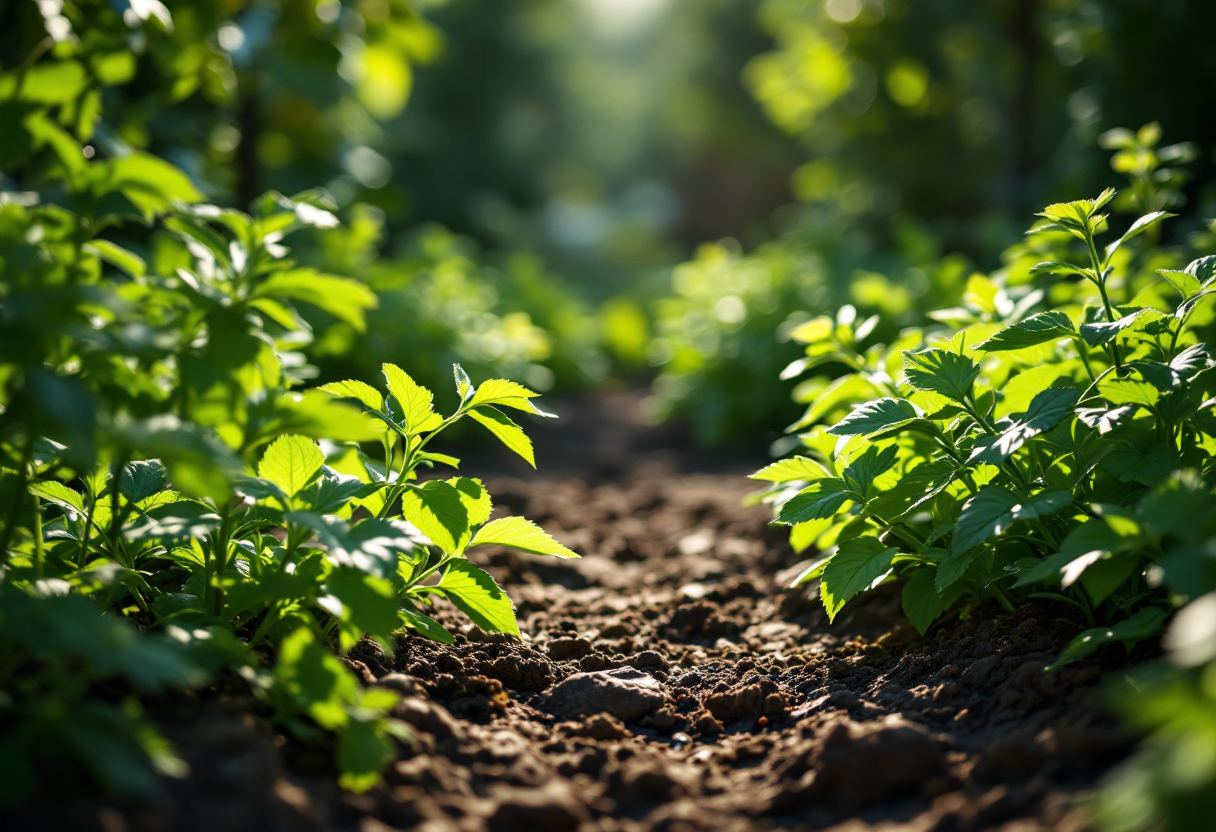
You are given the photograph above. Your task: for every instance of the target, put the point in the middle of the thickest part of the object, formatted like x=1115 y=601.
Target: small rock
x=428 y=717
x=403 y=684
x=624 y=693
x=734 y=704
x=565 y=649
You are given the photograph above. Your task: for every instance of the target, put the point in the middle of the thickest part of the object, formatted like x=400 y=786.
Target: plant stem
x=39 y=553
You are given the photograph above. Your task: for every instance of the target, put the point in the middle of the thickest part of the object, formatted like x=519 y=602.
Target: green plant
x=168 y=513
x=1010 y=454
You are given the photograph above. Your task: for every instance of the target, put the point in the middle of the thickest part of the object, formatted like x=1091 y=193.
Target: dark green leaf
x=941 y=371
x=1147 y=623
x=995 y=508
x=817 y=501
x=1037 y=329
x=856 y=565
x=1045 y=412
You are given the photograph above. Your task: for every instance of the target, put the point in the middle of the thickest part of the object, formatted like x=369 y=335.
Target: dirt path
x=664 y=682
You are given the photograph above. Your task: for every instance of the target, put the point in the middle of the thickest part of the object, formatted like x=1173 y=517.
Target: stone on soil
x=624 y=693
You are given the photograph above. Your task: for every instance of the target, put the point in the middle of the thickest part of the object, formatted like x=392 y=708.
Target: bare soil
x=711 y=698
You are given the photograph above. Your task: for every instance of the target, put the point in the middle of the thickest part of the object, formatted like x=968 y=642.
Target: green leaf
x=180 y=520
x=857 y=564
x=876 y=416
x=438 y=510
x=358 y=390
x=140 y=480
x=1105 y=419
x=57 y=82
x=1143 y=224
x=1187 y=284
x=1084 y=545
x=518 y=533
x=151 y=184
x=860 y=474
x=344 y=298
x=1139 y=456
x=368 y=602
x=364 y=751
x=1129 y=391
x=60 y=495
x=1045 y=412
x=1147 y=623
x=423 y=624
x=472 y=590
x=413 y=400
x=509 y=433
x=475 y=498
x=118 y=257
x=995 y=508
x=941 y=371
x=1102 y=332
x=1035 y=330
x=789 y=470
x=1057 y=267
x=817 y=501
x=292 y=463
x=502 y=393
x=315 y=679
x=922 y=603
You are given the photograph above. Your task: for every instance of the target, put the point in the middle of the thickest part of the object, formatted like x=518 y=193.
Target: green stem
x=86 y=534
x=221 y=559
x=39 y=553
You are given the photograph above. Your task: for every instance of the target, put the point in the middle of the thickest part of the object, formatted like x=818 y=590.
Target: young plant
x=1022 y=454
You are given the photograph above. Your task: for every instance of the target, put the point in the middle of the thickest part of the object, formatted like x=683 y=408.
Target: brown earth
x=737 y=706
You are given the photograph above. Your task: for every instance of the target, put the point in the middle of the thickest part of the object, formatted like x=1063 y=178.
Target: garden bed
x=737 y=706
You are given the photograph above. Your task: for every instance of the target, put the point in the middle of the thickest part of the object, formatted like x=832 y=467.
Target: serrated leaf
x=354 y=389
x=817 y=501
x=437 y=508
x=373 y=545
x=509 y=433
x=292 y=463
x=790 y=470
x=1191 y=361
x=60 y=495
x=1105 y=419
x=502 y=393
x=922 y=603
x=1102 y=332
x=1129 y=391
x=1035 y=330
x=941 y=371
x=475 y=498
x=860 y=474
x=472 y=590
x=1045 y=412
x=874 y=416
x=857 y=564
x=518 y=533
x=414 y=401
x=1141 y=457
x=140 y=480
x=994 y=509
x=1056 y=267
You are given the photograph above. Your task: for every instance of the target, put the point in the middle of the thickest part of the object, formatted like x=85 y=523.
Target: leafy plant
x=168 y=512
x=1015 y=453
